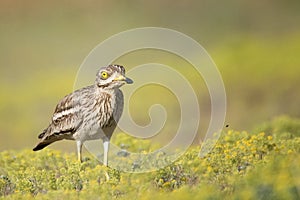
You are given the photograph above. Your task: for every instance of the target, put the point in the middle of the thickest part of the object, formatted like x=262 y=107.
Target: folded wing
x=65 y=121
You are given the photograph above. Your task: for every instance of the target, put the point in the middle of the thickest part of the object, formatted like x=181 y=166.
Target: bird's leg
x=105 y=159
x=79 y=150
x=106 y=148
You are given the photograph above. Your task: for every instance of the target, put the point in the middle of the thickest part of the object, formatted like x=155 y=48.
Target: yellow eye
x=104 y=75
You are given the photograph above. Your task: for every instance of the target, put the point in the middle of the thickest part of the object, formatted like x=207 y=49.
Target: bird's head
x=112 y=76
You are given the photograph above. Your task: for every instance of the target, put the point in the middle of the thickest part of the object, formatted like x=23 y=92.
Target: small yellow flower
x=253 y=137
x=245 y=158
x=262 y=134
x=234 y=154
x=270 y=137
x=166 y=184
x=144 y=152
x=209 y=168
x=226 y=151
x=242 y=147
x=248 y=143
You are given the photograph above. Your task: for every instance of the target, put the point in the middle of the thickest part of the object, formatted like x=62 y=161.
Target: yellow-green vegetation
x=242 y=165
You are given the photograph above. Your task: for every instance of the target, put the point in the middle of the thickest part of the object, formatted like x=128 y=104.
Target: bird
x=89 y=113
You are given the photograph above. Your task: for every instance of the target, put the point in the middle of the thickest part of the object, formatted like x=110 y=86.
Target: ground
x=263 y=164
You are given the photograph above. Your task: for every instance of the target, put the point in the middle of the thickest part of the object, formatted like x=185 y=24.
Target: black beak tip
x=129 y=81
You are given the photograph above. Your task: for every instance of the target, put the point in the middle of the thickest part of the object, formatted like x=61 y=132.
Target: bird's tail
x=45 y=140
x=41 y=145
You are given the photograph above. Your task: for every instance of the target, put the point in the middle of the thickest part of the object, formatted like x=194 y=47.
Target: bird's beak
x=123 y=78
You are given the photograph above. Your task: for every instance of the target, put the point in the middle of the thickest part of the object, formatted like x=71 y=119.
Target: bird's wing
x=66 y=118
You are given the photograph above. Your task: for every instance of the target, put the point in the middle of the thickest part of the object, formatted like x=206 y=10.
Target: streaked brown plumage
x=89 y=113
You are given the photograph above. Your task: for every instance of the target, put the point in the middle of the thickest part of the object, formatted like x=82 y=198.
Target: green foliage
x=241 y=166
x=283 y=127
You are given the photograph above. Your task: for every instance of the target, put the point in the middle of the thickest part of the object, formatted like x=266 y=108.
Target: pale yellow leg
x=105 y=159
x=106 y=148
x=79 y=150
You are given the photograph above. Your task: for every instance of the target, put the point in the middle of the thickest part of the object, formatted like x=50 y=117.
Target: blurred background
x=255 y=45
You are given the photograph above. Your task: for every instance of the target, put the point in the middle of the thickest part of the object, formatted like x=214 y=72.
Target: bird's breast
x=101 y=115
x=105 y=105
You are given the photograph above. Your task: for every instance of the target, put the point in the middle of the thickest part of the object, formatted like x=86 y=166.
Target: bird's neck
x=110 y=91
